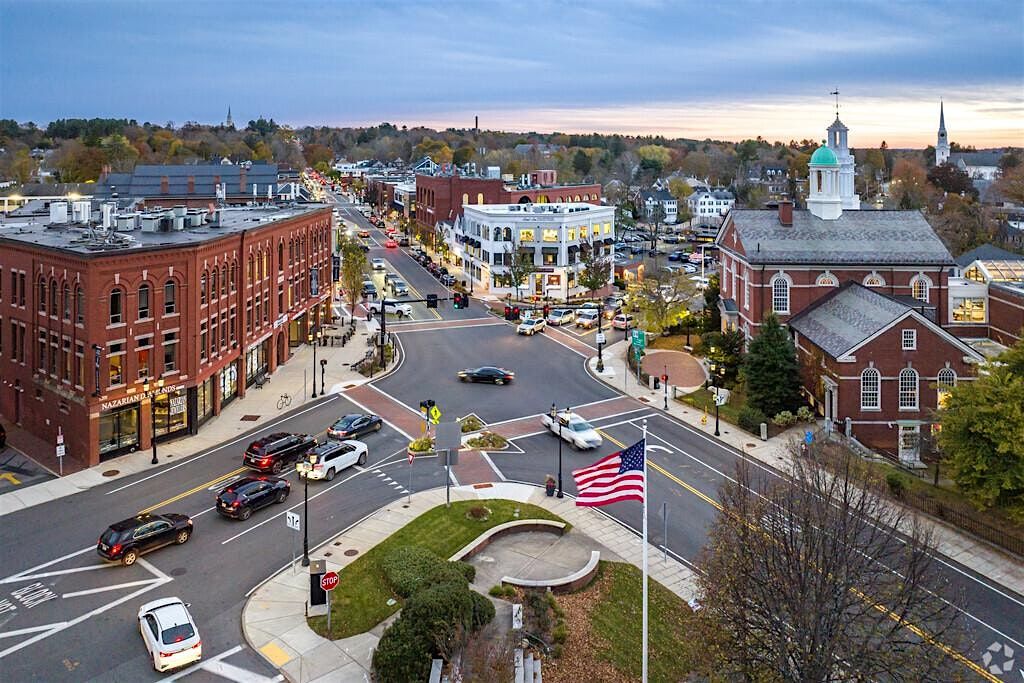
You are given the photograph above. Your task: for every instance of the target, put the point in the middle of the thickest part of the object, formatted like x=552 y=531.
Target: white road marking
x=237 y=673
x=196 y=667
x=31 y=629
x=387 y=422
x=103 y=589
x=494 y=467
x=19 y=575
x=26 y=577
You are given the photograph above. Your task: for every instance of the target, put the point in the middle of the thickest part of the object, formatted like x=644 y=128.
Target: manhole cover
x=644 y=399
x=248 y=418
x=111 y=473
x=349 y=386
x=351 y=552
x=751 y=445
x=179 y=571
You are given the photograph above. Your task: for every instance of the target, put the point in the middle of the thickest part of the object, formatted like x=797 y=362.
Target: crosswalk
x=214 y=669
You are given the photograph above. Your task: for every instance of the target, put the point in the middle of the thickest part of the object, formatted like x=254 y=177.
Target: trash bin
x=657 y=381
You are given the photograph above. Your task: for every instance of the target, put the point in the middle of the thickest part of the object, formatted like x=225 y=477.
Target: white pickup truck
x=396 y=308
x=573 y=429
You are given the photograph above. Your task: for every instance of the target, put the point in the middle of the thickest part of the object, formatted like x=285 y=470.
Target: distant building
x=978 y=165
x=708 y=207
x=195 y=186
x=941 y=140
x=649 y=199
x=773 y=178
x=545 y=150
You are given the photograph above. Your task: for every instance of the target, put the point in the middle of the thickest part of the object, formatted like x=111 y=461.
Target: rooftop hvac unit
x=180 y=210
x=176 y=222
x=58 y=212
x=107 y=211
x=151 y=222
x=195 y=218
x=125 y=222
x=81 y=211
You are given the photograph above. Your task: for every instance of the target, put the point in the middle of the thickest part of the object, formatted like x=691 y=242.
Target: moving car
x=364 y=233
x=369 y=289
x=561 y=316
x=379 y=263
x=354 y=425
x=331 y=458
x=390 y=244
x=447 y=279
x=573 y=429
x=623 y=321
x=487 y=374
x=677 y=255
x=398 y=287
x=241 y=497
x=531 y=326
x=392 y=307
x=587 y=318
x=274 y=451
x=403 y=241
x=126 y=540
x=169 y=633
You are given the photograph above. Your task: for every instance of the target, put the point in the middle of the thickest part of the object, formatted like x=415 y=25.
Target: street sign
x=435 y=414
x=411 y=457
x=329 y=581
x=292 y=520
x=600 y=338
x=639 y=339
x=808 y=437
x=448 y=436
x=638 y=353
x=60 y=450
x=60 y=438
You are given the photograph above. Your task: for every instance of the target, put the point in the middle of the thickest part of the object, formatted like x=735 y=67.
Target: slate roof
x=146 y=179
x=658 y=195
x=845 y=317
x=856 y=237
x=986 y=252
x=977 y=158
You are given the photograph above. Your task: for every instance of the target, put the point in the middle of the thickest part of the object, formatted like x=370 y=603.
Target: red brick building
x=90 y=319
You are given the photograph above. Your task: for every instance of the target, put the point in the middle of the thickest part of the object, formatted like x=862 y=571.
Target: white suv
x=170 y=634
x=331 y=457
x=531 y=326
x=587 y=318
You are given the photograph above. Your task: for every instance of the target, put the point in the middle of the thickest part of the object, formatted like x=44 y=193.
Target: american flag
x=614 y=478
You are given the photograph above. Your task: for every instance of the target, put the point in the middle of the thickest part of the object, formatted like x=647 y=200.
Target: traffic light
x=547 y=309
x=516 y=313
x=460 y=300
x=431 y=300
x=508 y=312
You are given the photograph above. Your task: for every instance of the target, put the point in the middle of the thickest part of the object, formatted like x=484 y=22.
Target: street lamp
x=313 y=337
x=600 y=346
x=311 y=458
x=323 y=369
x=714 y=385
x=152 y=394
x=554 y=417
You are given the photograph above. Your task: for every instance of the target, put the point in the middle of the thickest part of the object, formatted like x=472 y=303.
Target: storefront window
x=119 y=428
x=228 y=384
x=572 y=234
x=204 y=399
x=171 y=412
x=255 y=362
x=526 y=236
x=550 y=235
x=968 y=310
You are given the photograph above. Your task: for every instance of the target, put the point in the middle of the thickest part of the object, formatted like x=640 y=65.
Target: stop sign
x=329 y=581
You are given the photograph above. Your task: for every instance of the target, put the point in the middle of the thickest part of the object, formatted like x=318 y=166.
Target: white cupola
x=824 y=199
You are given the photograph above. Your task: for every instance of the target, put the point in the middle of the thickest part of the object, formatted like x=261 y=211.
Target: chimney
x=786 y=213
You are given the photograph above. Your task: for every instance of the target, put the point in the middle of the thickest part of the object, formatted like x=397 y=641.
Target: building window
x=65 y=360
x=53 y=298
x=66 y=302
x=41 y=304
x=79 y=364
x=526 y=236
x=280 y=255
x=746 y=291
x=170 y=351
x=203 y=341
x=21 y=290
x=870 y=397
x=143 y=301
x=974 y=273
x=223 y=280
x=144 y=348
x=202 y=289
x=116 y=306
x=945 y=382
x=780 y=294
x=214 y=284
x=170 y=305
x=909 y=340
x=908 y=389
x=79 y=305
x=234 y=275
x=919 y=289
x=874 y=281
x=826 y=280
x=41 y=351
x=550 y=235
x=966 y=310
x=115 y=362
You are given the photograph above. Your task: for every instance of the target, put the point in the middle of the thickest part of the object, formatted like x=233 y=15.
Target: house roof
x=977 y=158
x=659 y=195
x=847 y=316
x=146 y=180
x=987 y=252
x=856 y=237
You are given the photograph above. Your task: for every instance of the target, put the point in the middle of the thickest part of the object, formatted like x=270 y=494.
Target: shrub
x=478 y=513
x=559 y=633
x=497 y=591
x=785 y=419
x=805 y=414
x=439 y=609
x=895 y=483
x=750 y=419
x=470 y=423
x=483 y=611
x=403 y=654
x=488 y=440
x=421 y=445
x=467 y=570
x=411 y=568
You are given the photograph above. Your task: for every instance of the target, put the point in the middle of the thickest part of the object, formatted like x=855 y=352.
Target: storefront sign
x=135 y=398
x=281 y=320
x=258 y=342
x=177 y=405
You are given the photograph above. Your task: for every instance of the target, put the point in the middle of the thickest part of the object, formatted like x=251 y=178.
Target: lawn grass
x=675 y=342
x=360 y=601
x=617 y=622
x=703 y=398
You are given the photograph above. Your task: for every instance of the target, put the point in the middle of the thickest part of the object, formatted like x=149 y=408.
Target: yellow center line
x=916 y=630
x=185 y=494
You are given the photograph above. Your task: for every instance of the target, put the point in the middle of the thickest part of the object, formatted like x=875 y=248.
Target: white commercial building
x=486 y=239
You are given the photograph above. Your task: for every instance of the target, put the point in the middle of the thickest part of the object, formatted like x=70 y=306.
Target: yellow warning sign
x=435 y=414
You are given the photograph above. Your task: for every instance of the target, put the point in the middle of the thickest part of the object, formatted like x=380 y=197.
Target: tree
x=962 y=224
x=951 y=179
x=581 y=162
x=353 y=271
x=22 y=166
x=679 y=189
x=808 y=578
x=597 y=270
x=712 y=316
x=1011 y=184
x=725 y=350
x=77 y=163
x=662 y=305
x=983 y=433
x=315 y=153
x=909 y=185
x=771 y=370
x=121 y=155
x=520 y=267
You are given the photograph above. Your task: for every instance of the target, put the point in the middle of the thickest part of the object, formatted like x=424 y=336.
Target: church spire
x=229 y=123
x=942 y=120
x=941 y=141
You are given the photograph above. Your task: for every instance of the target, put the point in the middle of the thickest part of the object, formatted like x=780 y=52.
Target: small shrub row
x=788 y=419
x=411 y=568
x=750 y=419
x=470 y=423
x=488 y=440
x=500 y=591
x=421 y=445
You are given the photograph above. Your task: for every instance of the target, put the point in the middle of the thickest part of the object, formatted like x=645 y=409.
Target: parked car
x=242 y=497
x=689 y=268
x=623 y=321
x=330 y=458
x=637 y=248
x=447 y=279
x=677 y=255
x=403 y=241
x=561 y=316
x=487 y=373
x=274 y=451
x=587 y=318
x=364 y=233
x=379 y=263
x=369 y=290
x=398 y=287
x=531 y=326
x=433 y=269
x=126 y=540
x=670 y=239
x=354 y=425
x=169 y=634
x=573 y=429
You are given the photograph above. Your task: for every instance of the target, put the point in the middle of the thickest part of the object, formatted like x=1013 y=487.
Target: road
x=66 y=616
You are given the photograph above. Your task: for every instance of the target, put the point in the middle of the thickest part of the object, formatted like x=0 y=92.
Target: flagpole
x=646 y=493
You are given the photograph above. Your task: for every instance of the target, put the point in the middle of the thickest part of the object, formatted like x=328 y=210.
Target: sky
x=727 y=70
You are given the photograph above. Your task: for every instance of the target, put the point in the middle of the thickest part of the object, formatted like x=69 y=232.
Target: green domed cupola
x=823 y=156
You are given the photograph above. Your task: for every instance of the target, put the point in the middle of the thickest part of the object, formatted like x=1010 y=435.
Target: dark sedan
x=353 y=426
x=487 y=374
x=126 y=540
x=240 y=498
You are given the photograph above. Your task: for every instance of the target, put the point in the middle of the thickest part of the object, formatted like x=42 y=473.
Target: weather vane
x=836 y=93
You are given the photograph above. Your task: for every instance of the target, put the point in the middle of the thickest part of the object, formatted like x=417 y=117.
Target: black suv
x=239 y=498
x=129 y=538
x=273 y=452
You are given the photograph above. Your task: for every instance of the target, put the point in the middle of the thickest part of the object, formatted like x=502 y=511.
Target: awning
x=574 y=247
x=609 y=240
x=549 y=250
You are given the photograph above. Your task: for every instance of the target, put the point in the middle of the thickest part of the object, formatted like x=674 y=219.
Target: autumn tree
x=951 y=179
x=663 y=302
x=315 y=153
x=353 y=271
x=597 y=270
x=1011 y=184
x=962 y=224
x=771 y=369
x=817 y=577
x=909 y=186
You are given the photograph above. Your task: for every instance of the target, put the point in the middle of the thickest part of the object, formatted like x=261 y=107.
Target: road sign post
x=60 y=452
x=448 y=438
x=291 y=519
x=411 y=458
x=329 y=582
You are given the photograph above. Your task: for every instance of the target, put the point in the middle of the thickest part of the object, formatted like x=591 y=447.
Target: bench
x=261 y=379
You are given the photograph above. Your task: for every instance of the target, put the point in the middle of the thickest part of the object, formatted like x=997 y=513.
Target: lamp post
x=152 y=394
x=323 y=369
x=312 y=338
x=714 y=384
x=554 y=417
x=311 y=460
x=600 y=346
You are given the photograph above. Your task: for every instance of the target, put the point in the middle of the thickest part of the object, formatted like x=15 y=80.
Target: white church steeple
x=824 y=199
x=838 y=144
x=941 y=142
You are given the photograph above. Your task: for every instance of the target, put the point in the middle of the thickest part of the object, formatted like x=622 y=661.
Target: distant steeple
x=229 y=123
x=942 y=141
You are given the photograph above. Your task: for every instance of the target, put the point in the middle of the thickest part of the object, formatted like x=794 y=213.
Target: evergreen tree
x=772 y=373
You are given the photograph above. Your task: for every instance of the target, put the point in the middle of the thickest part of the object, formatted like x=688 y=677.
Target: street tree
x=663 y=302
x=520 y=268
x=597 y=270
x=725 y=350
x=949 y=178
x=909 y=187
x=817 y=577
x=712 y=295
x=353 y=271
x=771 y=370
x=983 y=433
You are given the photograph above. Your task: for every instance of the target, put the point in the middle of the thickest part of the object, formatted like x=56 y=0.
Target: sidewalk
x=257 y=409
x=775 y=452
x=274 y=622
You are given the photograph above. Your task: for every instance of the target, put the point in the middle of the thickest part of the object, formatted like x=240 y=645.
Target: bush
x=785 y=419
x=411 y=568
x=750 y=419
x=478 y=512
x=497 y=591
x=805 y=414
x=421 y=445
x=895 y=483
x=403 y=654
x=483 y=611
x=559 y=633
x=470 y=423
x=488 y=440
x=439 y=609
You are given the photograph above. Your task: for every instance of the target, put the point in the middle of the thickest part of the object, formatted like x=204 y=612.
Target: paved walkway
x=274 y=622
x=775 y=452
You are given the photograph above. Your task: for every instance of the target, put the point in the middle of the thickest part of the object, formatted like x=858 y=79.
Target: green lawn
x=360 y=601
x=675 y=342
x=617 y=623
x=703 y=398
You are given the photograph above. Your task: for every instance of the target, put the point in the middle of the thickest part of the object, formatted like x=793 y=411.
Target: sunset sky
x=726 y=70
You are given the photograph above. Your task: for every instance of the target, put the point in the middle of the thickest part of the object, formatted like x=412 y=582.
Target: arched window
x=202 y=288
x=265 y=271
x=826 y=280
x=170 y=298
x=817 y=175
x=280 y=255
x=874 y=280
x=223 y=280
x=214 y=283
x=945 y=382
x=144 y=309
x=79 y=305
x=508 y=234
x=234 y=275
x=465 y=198
x=479 y=197
x=53 y=298
x=780 y=294
x=66 y=301
x=908 y=389
x=249 y=271
x=919 y=288
x=497 y=234
x=870 y=396
x=577 y=198
x=42 y=294
x=116 y=306
x=291 y=252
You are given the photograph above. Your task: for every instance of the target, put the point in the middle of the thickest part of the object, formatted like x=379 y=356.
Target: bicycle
x=284 y=401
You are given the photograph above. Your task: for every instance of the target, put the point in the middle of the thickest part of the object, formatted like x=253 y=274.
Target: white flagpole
x=644 y=644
